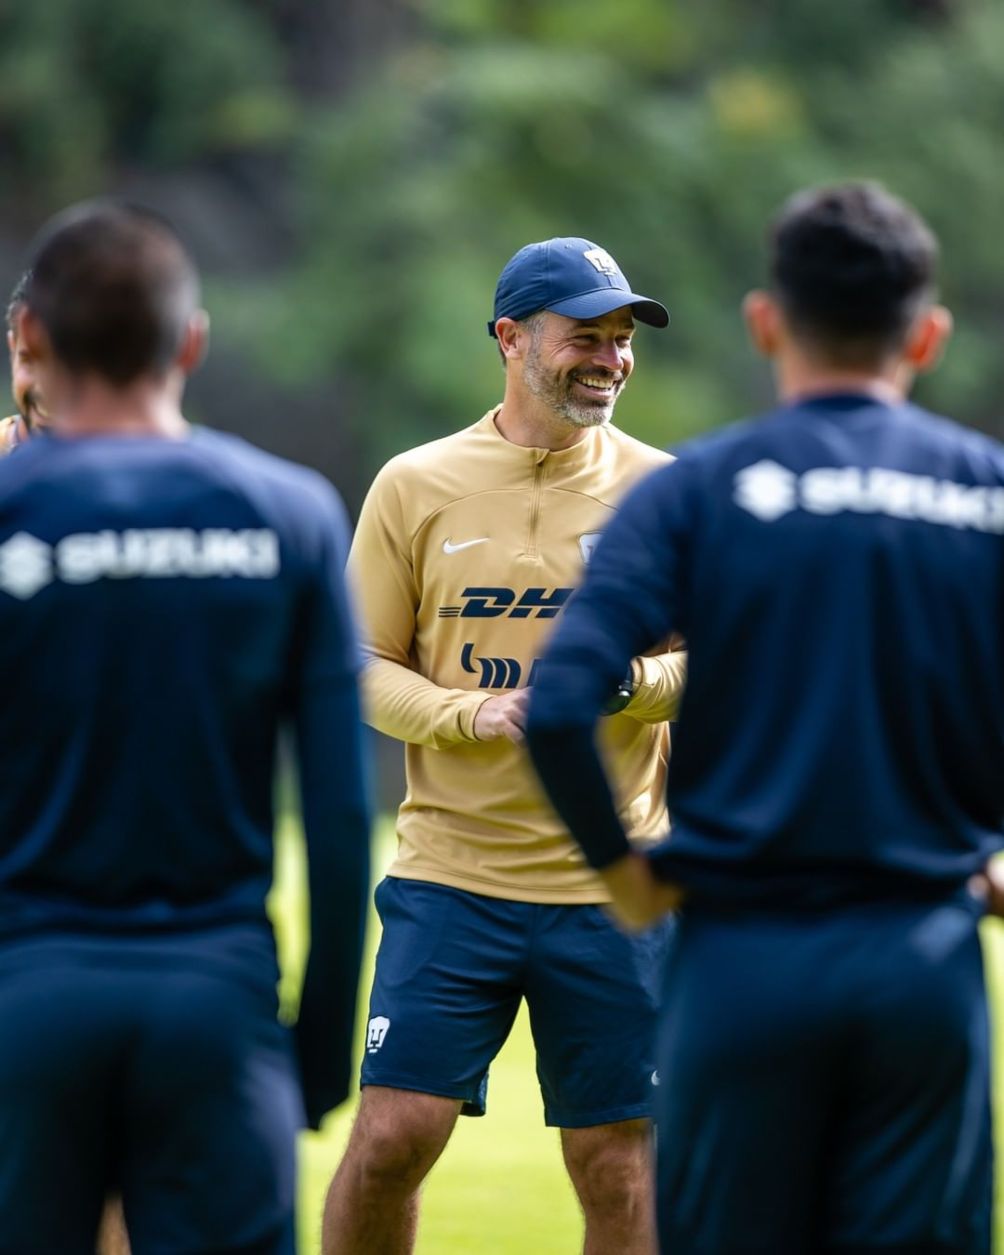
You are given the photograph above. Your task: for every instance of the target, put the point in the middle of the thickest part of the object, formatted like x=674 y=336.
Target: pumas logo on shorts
x=376 y=1031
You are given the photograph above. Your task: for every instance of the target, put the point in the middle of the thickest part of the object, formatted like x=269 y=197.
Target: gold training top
x=466 y=550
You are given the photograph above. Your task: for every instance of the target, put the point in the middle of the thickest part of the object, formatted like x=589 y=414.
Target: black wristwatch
x=625 y=691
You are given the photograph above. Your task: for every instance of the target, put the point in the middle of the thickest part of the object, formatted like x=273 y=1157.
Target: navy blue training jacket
x=837 y=568
x=167 y=608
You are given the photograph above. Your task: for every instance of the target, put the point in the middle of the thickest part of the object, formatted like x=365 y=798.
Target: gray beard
x=557 y=395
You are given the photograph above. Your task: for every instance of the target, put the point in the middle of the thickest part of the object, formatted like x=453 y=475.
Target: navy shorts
x=825 y=1085
x=154 y=1067
x=451 y=970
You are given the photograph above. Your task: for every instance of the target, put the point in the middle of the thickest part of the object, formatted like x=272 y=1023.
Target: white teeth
x=604 y=385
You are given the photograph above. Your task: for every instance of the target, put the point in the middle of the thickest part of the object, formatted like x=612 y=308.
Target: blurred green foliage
x=667 y=132
x=86 y=85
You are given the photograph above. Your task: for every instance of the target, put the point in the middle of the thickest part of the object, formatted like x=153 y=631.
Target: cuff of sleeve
x=469 y=712
x=603 y=847
x=658 y=685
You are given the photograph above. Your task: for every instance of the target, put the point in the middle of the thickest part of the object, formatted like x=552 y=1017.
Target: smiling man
x=30 y=416
x=466 y=551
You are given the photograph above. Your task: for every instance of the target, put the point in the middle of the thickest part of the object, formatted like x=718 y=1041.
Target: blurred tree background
x=352 y=174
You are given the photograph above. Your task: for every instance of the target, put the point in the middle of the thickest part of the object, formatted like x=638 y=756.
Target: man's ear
x=927 y=338
x=194 y=342
x=762 y=316
x=509 y=334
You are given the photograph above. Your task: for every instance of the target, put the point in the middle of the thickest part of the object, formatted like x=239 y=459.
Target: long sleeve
x=398 y=700
x=408 y=707
x=659 y=684
x=333 y=791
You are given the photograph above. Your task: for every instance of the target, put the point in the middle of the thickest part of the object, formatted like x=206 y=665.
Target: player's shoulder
x=634 y=453
x=427 y=476
x=290 y=496
x=702 y=454
x=902 y=436
x=246 y=461
x=974 y=450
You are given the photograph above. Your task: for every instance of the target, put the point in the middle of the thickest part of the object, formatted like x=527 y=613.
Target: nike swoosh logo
x=448 y=547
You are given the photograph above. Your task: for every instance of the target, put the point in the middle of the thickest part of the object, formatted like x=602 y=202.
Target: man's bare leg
x=612 y=1170
x=112 y=1236
x=372 y=1202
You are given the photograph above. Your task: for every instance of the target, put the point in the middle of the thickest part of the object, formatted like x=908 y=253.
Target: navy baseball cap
x=569 y=276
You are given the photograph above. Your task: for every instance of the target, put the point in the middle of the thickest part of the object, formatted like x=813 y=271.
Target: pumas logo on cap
x=601 y=260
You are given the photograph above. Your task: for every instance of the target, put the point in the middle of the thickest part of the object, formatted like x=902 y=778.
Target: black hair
x=852 y=266
x=16 y=299
x=114 y=288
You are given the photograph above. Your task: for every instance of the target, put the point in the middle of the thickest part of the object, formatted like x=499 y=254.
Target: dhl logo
x=493 y=603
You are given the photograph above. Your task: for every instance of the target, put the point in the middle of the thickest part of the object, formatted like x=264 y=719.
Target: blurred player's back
x=837 y=569
x=156 y=585
x=846 y=682
x=169 y=601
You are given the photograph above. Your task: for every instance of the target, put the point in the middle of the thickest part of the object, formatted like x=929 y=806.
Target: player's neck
x=528 y=422
x=798 y=378
x=91 y=407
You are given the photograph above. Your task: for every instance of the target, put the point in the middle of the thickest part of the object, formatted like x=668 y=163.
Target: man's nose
x=610 y=355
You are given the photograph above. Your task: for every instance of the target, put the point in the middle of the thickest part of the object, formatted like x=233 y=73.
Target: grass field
x=499 y=1188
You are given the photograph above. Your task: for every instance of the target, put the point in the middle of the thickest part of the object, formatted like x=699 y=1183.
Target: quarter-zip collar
x=575 y=457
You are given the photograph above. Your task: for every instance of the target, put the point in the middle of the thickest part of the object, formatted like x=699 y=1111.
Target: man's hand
x=638 y=897
x=503 y=716
x=990 y=885
x=12 y=433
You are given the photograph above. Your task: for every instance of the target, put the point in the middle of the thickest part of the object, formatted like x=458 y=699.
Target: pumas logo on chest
x=587 y=543
x=450 y=547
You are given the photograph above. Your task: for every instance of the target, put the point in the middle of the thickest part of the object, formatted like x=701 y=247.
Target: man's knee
x=398 y=1136
x=611 y=1165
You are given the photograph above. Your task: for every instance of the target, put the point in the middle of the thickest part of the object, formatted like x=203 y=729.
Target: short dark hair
x=16 y=300
x=114 y=288
x=852 y=266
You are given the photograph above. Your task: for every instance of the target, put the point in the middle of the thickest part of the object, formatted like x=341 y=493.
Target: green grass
x=500 y=1188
